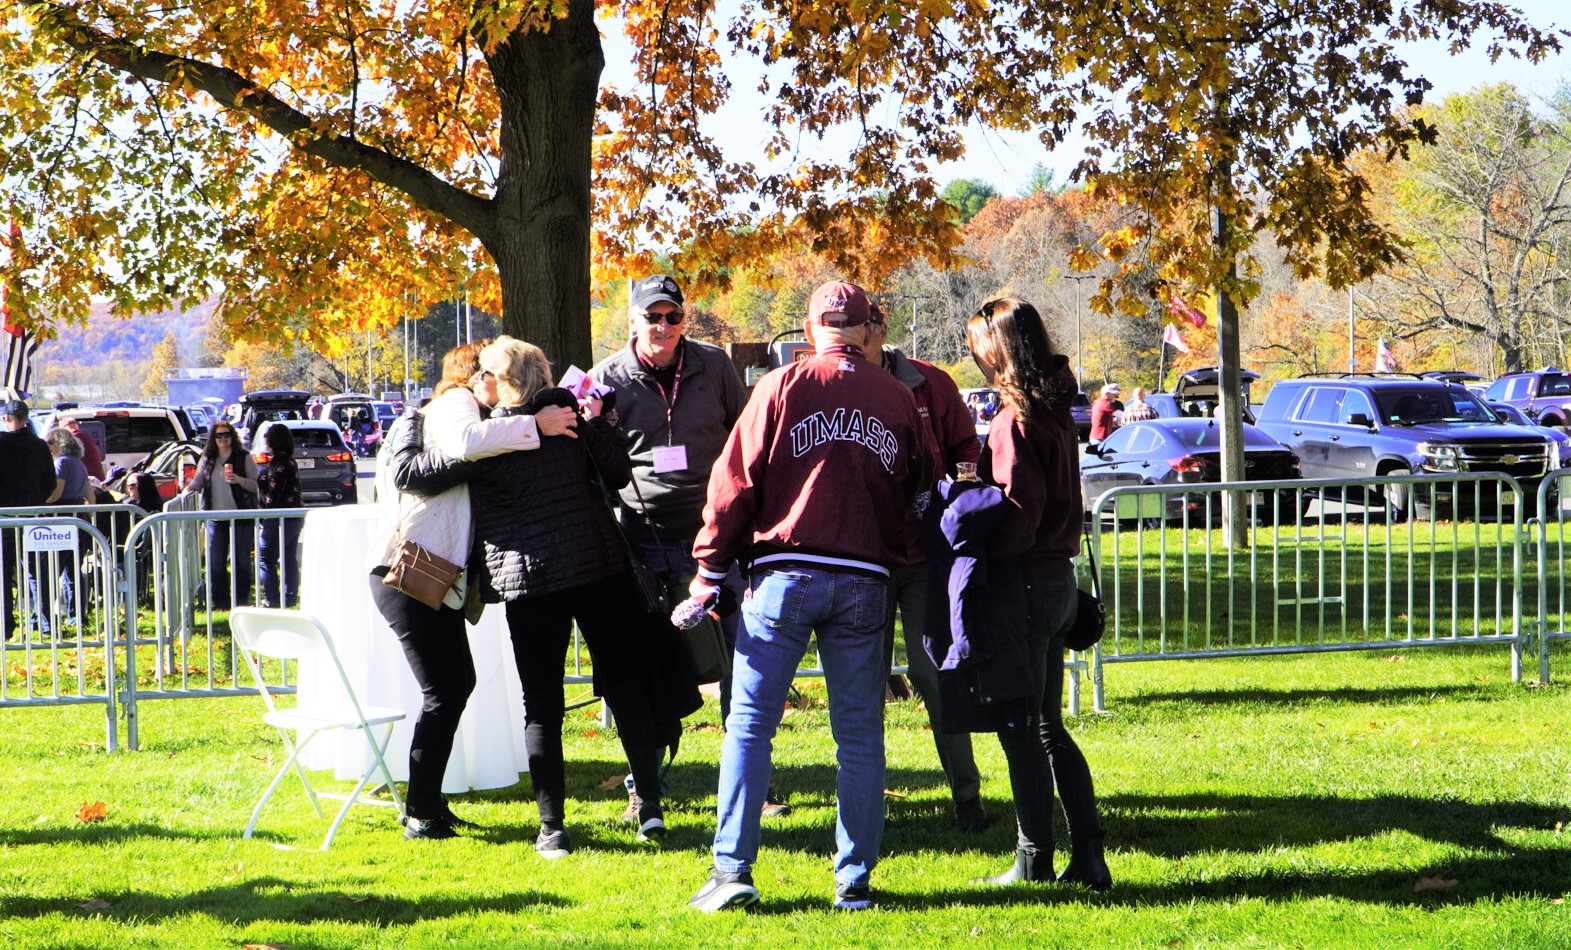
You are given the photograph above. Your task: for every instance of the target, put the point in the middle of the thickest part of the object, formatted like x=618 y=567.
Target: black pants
x=1047 y=756
x=541 y=629
x=437 y=647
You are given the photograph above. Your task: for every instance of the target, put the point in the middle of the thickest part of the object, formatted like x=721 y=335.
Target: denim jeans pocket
x=777 y=596
x=871 y=598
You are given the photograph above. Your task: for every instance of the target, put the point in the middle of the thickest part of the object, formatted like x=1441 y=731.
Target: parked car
x=1080 y=409
x=385 y=413
x=169 y=468
x=1185 y=451
x=268 y=405
x=1369 y=427
x=327 y=466
x=1197 y=393
x=1559 y=438
x=1544 y=396
x=355 y=415
x=128 y=432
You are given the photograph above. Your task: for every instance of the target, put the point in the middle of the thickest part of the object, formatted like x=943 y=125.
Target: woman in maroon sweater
x=1031 y=455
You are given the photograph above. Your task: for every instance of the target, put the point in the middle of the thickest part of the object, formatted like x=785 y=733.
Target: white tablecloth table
x=336 y=558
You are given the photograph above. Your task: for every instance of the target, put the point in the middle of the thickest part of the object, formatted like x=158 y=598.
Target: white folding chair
x=292 y=635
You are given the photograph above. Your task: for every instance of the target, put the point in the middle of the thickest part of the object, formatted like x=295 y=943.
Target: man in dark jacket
x=677 y=399
x=845 y=452
x=951 y=440
x=27 y=477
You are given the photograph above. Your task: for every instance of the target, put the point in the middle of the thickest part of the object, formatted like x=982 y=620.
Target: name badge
x=670 y=458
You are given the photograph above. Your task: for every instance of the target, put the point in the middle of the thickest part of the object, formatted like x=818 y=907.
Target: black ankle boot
x=1028 y=866
x=1087 y=865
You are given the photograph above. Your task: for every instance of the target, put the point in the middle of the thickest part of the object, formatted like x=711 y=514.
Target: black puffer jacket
x=542 y=523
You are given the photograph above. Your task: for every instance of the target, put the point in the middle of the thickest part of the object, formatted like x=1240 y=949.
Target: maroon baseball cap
x=839 y=304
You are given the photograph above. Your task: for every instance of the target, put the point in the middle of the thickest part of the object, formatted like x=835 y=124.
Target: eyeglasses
x=674 y=318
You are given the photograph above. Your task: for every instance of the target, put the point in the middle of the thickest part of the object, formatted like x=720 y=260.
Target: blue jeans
x=273 y=545
x=230 y=542
x=786 y=605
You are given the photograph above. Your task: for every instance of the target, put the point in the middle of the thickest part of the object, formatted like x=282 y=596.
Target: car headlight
x=1441 y=458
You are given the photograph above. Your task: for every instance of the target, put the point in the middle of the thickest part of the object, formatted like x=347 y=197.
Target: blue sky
x=1006 y=160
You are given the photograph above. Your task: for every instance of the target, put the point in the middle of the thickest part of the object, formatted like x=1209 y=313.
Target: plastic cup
x=965 y=471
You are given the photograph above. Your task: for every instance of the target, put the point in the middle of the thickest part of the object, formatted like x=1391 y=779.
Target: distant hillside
x=109 y=357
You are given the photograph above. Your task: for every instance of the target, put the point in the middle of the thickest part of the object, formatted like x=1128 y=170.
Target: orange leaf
x=612 y=782
x=89 y=813
x=1433 y=885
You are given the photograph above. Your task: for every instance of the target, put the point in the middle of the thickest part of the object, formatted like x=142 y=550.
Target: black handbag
x=1091 y=614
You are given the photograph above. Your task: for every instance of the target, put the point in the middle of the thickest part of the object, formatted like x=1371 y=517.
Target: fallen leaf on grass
x=591 y=733
x=264 y=759
x=97 y=903
x=91 y=812
x=1558 y=826
x=888 y=793
x=264 y=946
x=1434 y=885
x=612 y=782
x=1396 y=658
x=361 y=899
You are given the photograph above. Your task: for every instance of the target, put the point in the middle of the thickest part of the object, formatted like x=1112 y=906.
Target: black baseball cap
x=14 y=407
x=651 y=290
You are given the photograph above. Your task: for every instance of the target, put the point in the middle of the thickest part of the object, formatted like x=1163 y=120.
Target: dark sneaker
x=432 y=829
x=725 y=891
x=553 y=844
x=774 y=804
x=454 y=820
x=630 y=816
x=853 y=897
x=653 y=829
x=971 y=816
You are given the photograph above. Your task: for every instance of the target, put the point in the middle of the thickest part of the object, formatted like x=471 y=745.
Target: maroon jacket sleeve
x=952 y=422
x=1016 y=470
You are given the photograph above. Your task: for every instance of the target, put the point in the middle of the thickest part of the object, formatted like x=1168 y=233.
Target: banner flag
x=1383 y=361
x=1171 y=338
x=20 y=344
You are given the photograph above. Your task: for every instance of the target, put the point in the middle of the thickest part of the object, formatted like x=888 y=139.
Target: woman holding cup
x=226 y=481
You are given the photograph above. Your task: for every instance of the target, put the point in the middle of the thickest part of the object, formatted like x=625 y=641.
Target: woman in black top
x=278 y=483
x=226 y=481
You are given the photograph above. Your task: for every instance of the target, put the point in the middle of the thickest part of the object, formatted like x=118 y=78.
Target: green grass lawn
x=1284 y=801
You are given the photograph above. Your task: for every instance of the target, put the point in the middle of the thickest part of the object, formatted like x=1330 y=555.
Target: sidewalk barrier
x=1326 y=568
x=1350 y=578
x=172 y=649
x=57 y=579
x=1553 y=540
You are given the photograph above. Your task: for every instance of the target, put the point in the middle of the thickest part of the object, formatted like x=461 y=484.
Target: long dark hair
x=1010 y=343
x=210 y=450
x=280 y=441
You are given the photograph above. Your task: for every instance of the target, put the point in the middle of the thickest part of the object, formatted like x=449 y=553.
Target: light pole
x=913 y=298
x=1352 y=364
x=1079 y=353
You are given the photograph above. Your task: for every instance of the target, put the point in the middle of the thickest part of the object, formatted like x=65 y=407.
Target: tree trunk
x=547 y=82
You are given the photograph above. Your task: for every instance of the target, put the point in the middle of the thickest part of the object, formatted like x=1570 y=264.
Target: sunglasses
x=674 y=318
x=223 y=435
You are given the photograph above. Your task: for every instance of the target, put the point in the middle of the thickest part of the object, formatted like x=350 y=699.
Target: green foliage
x=968 y=196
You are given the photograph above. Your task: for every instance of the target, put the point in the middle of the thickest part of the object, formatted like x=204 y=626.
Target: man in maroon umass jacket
x=812 y=491
x=951 y=440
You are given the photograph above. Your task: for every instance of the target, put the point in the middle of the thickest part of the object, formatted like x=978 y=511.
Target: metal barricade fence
x=1327 y=567
x=1552 y=542
x=173 y=648
x=58 y=588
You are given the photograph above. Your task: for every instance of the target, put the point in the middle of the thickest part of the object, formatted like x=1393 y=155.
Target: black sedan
x=1183 y=451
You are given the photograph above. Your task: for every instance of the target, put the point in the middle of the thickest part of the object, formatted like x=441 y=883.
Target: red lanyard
x=670 y=400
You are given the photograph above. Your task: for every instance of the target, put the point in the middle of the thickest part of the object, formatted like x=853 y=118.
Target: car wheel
x=1399 y=498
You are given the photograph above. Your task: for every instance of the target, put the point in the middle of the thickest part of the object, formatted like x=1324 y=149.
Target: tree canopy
x=329 y=167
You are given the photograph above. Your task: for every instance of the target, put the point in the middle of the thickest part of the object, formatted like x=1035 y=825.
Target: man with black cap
x=845 y=453
x=27 y=478
x=677 y=399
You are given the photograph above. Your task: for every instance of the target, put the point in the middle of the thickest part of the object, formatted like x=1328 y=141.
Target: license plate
x=306 y=463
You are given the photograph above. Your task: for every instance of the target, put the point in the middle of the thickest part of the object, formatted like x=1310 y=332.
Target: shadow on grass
x=1181 y=825
x=278 y=900
x=1341 y=695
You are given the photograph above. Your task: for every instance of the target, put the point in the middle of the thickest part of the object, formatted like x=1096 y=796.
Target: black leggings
x=541 y=628
x=437 y=647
